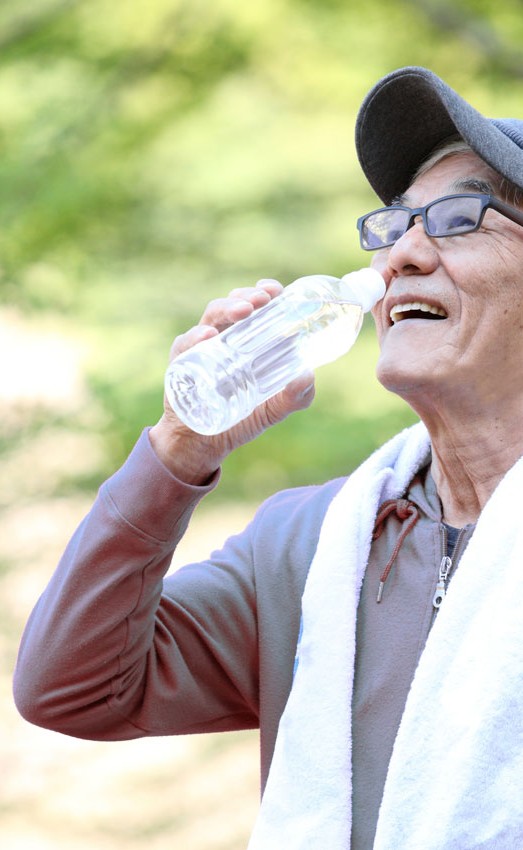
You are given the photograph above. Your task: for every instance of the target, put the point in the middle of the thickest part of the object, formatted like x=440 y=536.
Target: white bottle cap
x=367 y=287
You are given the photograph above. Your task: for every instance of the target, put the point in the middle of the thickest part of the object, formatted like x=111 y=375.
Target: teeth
x=396 y=312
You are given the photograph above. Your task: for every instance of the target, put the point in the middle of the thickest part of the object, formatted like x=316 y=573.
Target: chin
x=406 y=379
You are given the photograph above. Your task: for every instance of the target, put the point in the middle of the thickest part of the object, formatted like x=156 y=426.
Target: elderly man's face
x=470 y=344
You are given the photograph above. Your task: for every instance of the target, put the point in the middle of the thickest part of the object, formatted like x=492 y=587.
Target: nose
x=413 y=253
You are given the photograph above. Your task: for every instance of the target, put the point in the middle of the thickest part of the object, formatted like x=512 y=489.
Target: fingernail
x=264 y=281
x=306 y=391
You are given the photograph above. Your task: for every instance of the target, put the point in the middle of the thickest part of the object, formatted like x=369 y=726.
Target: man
x=402 y=725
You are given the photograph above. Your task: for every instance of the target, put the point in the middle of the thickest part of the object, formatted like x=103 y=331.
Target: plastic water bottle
x=218 y=382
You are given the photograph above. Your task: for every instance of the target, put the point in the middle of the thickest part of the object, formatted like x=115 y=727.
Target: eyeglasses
x=451 y=215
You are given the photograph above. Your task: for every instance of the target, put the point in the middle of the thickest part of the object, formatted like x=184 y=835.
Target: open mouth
x=416 y=310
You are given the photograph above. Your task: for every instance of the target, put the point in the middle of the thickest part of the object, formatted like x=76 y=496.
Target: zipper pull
x=380 y=591
x=444 y=569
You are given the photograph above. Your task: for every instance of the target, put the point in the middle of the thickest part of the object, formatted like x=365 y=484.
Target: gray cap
x=410 y=112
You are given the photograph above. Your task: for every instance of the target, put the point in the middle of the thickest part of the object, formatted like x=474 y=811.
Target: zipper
x=441 y=587
x=446 y=565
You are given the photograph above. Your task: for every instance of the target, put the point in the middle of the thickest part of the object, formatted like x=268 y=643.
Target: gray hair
x=508 y=192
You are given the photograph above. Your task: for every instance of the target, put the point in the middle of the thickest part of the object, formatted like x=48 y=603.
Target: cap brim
x=410 y=112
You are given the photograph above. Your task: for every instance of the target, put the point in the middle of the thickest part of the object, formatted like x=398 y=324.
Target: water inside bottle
x=207 y=389
x=329 y=330
x=218 y=382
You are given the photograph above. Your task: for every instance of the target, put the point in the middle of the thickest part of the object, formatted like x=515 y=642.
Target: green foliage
x=157 y=153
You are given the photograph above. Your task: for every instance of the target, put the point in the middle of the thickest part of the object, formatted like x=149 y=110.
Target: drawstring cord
x=404 y=510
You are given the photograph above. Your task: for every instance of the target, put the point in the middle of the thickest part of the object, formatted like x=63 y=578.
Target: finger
x=223 y=312
x=270 y=285
x=267 y=284
x=297 y=395
x=240 y=303
x=191 y=337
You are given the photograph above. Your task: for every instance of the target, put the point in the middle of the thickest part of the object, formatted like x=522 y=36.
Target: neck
x=471 y=453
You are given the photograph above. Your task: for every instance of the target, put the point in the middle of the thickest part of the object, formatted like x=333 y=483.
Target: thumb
x=297 y=395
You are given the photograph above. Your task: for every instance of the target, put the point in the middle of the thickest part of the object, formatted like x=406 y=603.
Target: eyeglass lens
x=453 y=215
x=443 y=217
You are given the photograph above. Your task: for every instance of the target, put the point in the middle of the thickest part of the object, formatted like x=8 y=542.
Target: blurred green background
x=154 y=155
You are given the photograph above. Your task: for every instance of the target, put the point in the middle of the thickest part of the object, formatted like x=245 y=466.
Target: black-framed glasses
x=451 y=215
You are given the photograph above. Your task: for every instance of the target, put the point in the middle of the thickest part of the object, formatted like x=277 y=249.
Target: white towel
x=455 y=779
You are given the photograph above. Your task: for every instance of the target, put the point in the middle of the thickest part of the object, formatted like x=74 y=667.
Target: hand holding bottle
x=194 y=457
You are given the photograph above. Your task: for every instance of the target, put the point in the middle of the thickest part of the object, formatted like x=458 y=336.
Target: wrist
x=182 y=453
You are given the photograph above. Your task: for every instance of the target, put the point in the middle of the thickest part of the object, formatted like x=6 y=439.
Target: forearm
x=93 y=630
x=112 y=652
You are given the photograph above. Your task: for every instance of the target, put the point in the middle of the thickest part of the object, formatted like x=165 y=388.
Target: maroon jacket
x=114 y=651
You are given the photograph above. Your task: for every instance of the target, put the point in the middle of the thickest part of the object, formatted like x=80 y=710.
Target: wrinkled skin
x=462 y=373
x=193 y=457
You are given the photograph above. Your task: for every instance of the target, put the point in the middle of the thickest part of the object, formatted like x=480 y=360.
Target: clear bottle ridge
x=316 y=319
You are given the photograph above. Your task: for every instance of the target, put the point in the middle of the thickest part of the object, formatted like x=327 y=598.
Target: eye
x=372 y=239
x=386 y=227
x=449 y=216
x=460 y=222
x=394 y=234
x=375 y=236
